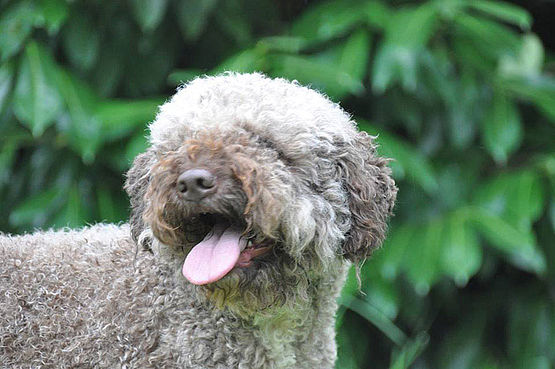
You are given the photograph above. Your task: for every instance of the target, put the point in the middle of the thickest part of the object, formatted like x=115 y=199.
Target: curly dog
x=247 y=209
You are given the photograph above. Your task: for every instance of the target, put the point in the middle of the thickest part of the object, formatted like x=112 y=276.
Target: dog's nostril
x=196 y=184
x=181 y=186
x=205 y=182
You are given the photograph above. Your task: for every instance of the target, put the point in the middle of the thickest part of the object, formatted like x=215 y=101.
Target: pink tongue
x=215 y=256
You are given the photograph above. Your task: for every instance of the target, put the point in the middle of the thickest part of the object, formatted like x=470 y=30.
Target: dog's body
x=87 y=299
x=247 y=209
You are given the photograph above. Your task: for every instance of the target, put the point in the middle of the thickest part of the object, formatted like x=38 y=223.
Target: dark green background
x=460 y=92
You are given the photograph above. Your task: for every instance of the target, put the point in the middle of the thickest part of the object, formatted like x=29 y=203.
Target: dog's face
x=259 y=188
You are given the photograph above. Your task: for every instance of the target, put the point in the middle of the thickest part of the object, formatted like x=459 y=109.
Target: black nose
x=196 y=184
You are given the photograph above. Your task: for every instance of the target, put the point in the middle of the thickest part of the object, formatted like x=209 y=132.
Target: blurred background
x=460 y=92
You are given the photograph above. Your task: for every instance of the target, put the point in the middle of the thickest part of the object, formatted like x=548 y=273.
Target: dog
x=252 y=201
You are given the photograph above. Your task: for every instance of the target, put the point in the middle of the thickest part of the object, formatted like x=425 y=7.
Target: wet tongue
x=215 y=256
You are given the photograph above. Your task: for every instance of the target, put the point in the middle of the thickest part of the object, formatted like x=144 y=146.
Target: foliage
x=457 y=91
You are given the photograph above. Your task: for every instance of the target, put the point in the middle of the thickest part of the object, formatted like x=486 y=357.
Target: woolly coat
x=89 y=299
x=292 y=170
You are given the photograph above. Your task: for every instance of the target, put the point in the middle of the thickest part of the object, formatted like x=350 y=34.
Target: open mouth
x=224 y=248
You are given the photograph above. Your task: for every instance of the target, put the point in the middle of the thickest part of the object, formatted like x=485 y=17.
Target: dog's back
x=89 y=299
x=66 y=297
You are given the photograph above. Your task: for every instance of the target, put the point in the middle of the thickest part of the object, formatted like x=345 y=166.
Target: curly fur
x=292 y=170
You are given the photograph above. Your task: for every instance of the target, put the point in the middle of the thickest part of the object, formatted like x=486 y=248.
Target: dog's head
x=258 y=187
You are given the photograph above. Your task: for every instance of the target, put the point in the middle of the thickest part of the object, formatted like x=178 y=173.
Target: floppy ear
x=372 y=194
x=136 y=185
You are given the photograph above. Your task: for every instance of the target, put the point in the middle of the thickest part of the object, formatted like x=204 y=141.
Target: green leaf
x=531 y=54
x=529 y=328
x=72 y=214
x=460 y=347
x=193 y=15
x=327 y=20
x=528 y=62
x=83 y=128
x=321 y=75
x=377 y=14
x=81 y=41
x=407 y=161
x=410 y=352
x=467 y=106
x=352 y=344
x=232 y=22
x=346 y=357
x=493 y=195
x=461 y=252
x=250 y=60
x=499 y=232
x=412 y=27
x=540 y=90
x=351 y=286
x=491 y=39
x=55 y=13
x=390 y=258
x=383 y=295
x=518 y=197
x=376 y=317
x=527 y=200
x=157 y=54
x=119 y=118
x=108 y=72
x=504 y=11
x=286 y=44
x=533 y=361
x=377 y=291
x=111 y=209
x=355 y=54
x=33 y=211
x=471 y=54
x=16 y=23
x=149 y=13
x=394 y=63
x=36 y=100
x=502 y=129
x=7 y=158
x=6 y=79
x=406 y=34
x=518 y=245
x=423 y=257
x=136 y=145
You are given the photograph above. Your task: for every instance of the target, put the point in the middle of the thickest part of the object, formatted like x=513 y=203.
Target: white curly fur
x=94 y=298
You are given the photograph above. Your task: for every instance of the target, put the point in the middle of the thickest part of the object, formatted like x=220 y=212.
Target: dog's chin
x=221 y=250
x=252 y=290
x=260 y=278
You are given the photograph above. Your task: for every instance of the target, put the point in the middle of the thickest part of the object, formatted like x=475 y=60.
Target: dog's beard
x=270 y=281
x=261 y=282
x=274 y=281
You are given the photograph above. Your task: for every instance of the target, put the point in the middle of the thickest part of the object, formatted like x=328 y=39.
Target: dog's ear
x=371 y=192
x=136 y=185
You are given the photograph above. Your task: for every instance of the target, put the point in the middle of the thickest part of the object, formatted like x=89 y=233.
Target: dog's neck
x=293 y=332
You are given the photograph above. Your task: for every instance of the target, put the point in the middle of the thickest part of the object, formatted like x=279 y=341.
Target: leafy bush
x=456 y=91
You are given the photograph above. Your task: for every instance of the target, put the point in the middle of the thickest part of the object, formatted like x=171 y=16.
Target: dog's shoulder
x=100 y=249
